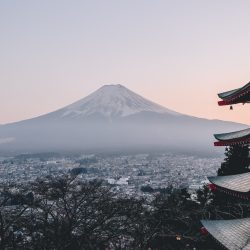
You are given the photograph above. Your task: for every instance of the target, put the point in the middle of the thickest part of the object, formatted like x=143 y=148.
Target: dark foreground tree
x=65 y=213
x=73 y=215
x=218 y=205
x=236 y=160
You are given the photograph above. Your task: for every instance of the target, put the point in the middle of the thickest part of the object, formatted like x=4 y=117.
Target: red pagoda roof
x=241 y=137
x=241 y=95
x=232 y=234
x=236 y=185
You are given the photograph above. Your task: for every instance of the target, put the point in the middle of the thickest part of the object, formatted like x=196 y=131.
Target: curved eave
x=232 y=234
x=235 y=185
x=242 y=141
x=232 y=102
x=241 y=137
x=236 y=194
x=241 y=95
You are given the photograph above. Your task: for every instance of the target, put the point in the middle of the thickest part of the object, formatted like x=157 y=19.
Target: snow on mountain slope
x=130 y=122
x=112 y=101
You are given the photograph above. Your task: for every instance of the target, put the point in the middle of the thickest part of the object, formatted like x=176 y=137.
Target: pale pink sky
x=179 y=54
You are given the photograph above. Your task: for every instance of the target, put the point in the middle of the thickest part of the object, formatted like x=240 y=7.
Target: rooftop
x=233 y=138
x=233 y=234
x=238 y=183
x=240 y=95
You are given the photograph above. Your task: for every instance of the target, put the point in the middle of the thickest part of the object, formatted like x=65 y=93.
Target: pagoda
x=241 y=137
x=241 y=95
x=232 y=234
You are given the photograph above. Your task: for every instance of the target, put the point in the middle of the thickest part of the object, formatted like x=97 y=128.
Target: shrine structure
x=232 y=234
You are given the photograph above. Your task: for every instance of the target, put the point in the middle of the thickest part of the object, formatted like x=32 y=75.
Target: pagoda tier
x=241 y=137
x=241 y=95
x=236 y=185
x=232 y=234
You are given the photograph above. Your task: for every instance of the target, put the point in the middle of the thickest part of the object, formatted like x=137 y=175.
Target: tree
x=236 y=161
x=218 y=205
x=70 y=214
x=65 y=213
x=19 y=198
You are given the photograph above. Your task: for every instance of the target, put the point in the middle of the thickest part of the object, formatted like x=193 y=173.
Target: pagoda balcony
x=240 y=95
x=234 y=185
x=241 y=137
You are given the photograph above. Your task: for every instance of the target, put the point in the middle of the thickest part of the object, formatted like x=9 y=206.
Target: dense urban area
x=130 y=174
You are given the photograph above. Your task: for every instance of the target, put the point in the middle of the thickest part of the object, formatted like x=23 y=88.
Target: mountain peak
x=113 y=89
x=113 y=86
x=113 y=100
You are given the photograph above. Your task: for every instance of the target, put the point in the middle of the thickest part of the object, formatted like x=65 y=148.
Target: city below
x=132 y=175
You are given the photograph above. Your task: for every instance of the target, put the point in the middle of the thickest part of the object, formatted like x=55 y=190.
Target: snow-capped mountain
x=111 y=101
x=113 y=118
